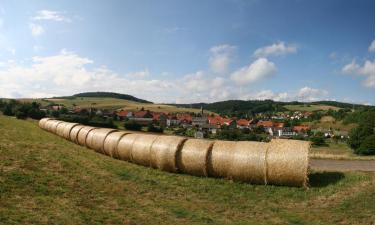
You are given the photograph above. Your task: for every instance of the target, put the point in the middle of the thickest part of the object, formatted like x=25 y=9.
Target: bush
x=318 y=139
x=367 y=146
x=358 y=135
x=130 y=125
x=152 y=128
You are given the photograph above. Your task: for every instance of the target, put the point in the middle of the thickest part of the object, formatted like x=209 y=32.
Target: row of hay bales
x=279 y=162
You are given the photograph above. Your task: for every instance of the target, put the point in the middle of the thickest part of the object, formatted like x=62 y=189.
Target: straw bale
x=193 y=157
x=43 y=123
x=73 y=136
x=140 y=153
x=49 y=124
x=248 y=162
x=124 y=147
x=288 y=162
x=67 y=129
x=221 y=158
x=111 y=142
x=53 y=126
x=164 y=152
x=60 y=128
x=82 y=135
x=95 y=138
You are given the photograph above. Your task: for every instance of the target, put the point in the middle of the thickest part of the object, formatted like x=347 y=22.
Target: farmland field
x=310 y=107
x=111 y=103
x=45 y=179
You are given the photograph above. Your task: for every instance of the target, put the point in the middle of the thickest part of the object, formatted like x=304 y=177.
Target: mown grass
x=112 y=103
x=310 y=107
x=47 y=180
x=339 y=150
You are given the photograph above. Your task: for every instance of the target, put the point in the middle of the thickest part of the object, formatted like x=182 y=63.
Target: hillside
x=47 y=180
x=110 y=95
x=260 y=106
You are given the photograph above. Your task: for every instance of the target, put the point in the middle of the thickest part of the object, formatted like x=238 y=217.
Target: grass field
x=338 y=150
x=112 y=103
x=45 y=179
x=310 y=108
x=328 y=122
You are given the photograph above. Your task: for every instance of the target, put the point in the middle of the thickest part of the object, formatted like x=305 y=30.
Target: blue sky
x=190 y=51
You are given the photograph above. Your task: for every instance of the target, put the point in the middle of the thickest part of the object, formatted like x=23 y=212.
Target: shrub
x=152 y=128
x=367 y=146
x=130 y=125
x=358 y=135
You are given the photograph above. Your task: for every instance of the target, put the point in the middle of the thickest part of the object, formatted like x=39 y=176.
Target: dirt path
x=342 y=165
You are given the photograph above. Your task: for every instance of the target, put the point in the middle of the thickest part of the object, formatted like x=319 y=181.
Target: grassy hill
x=110 y=103
x=45 y=179
x=310 y=108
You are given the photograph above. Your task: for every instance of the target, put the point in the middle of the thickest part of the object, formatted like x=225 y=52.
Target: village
x=204 y=124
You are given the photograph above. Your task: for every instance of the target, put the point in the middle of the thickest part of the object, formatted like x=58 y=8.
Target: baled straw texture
x=53 y=125
x=60 y=129
x=95 y=138
x=82 y=135
x=68 y=127
x=221 y=158
x=249 y=162
x=193 y=157
x=140 y=153
x=43 y=123
x=164 y=152
x=125 y=146
x=288 y=162
x=73 y=136
x=111 y=142
x=48 y=124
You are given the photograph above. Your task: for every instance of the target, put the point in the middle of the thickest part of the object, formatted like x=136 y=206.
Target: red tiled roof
x=184 y=117
x=243 y=122
x=279 y=125
x=300 y=128
x=265 y=123
x=140 y=114
x=122 y=113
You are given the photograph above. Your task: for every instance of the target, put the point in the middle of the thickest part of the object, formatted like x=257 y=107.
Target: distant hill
x=241 y=107
x=109 y=95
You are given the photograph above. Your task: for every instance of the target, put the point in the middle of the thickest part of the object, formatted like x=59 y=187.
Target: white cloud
x=68 y=73
x=221 y=57
x=371 y=48
x=139 y=74
x=51 y=15
x=311 y=94
x=276 y=49
x=259 y=69
x=36 y=29
x=367 y=70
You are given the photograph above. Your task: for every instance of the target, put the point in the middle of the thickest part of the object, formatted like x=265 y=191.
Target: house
x=141 y=117
x=199 y=121
x=267 y=126
x=122 y=114
x=243 y=123
x=184 y=118
x=172 y=121
x=229 y=122
x=301 y=128
x=285 y=132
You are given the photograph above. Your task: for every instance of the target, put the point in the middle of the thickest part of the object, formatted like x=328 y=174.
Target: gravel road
x=342 y=165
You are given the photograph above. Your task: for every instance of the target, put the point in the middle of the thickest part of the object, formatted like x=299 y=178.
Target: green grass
x=45 y=179
x=310 y=107
x=112 y=103
x=339 y=150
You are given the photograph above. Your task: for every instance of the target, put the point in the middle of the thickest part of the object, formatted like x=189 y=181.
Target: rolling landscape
x=240 y=112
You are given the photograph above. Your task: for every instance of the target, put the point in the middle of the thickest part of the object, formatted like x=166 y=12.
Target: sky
x=189 y=51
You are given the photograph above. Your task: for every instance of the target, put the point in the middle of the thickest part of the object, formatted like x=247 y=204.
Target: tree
x=367 y=146
x=318 y=139
x=358 y=135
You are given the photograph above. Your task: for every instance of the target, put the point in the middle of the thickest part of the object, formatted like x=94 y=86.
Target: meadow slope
x=45 y=179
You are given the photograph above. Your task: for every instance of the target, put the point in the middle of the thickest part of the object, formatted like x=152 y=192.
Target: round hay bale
x=60 y=128
x=111 y=142
x=49 y=124
x=249 y=162
x=125 y=146
x=288 y=162
x=164 y=152
x=140 y=153
x=67 y=129
x=221 y=158
x=82 y=135
x=43 y=122
x=193 y=157
x=73 y=136
x=53 y=126
x=95 y=138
